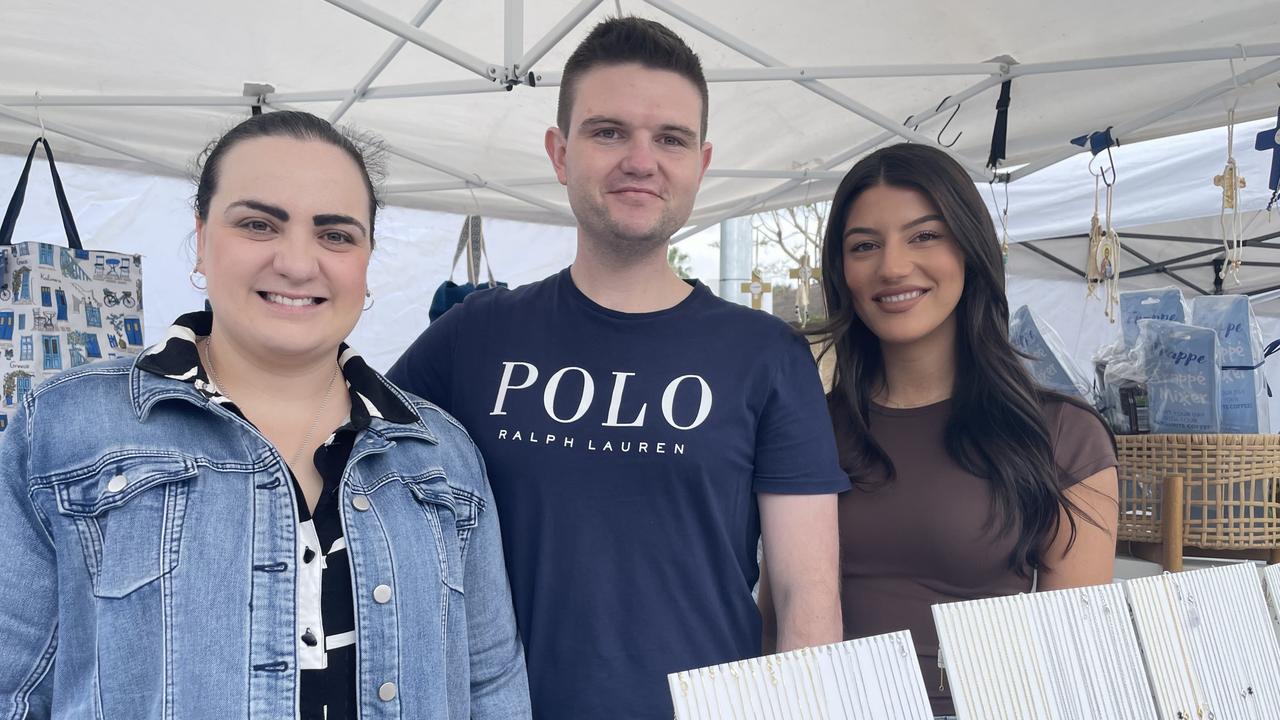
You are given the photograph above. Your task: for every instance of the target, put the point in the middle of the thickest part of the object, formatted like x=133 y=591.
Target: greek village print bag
x=60 y=307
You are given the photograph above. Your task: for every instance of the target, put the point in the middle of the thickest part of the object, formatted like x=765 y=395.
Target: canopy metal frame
x=1170 y=267
x=519 y=67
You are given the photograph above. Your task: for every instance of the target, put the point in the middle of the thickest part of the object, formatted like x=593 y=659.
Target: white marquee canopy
x=464 y=89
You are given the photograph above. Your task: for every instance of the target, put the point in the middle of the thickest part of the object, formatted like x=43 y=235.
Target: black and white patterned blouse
x=326 y=614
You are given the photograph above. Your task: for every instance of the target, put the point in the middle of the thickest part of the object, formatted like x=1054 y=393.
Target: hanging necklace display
x=805 y=274
x=1002 y=214
x=1093 y=273
x=1231 y=183
x=1103 y=266
x=756 y=287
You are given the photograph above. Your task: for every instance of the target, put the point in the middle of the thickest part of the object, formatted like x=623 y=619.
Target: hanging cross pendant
x=757 y=288
x=1230 y=181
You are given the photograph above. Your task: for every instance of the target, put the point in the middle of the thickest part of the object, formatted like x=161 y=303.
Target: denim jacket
x=148 y=562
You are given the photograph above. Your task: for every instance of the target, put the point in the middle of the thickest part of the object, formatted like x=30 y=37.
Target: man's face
x=632 y=158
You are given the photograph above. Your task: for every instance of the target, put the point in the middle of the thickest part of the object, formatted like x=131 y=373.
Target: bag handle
x=471 y=239
x=19 y=194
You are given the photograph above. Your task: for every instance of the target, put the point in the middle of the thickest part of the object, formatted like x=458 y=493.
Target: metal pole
x=555 y=35
x=1166 y=271
x=512 y=32
x=1119 y=131
x=387 y=56
x=472 y=178
x=1265 y=294
x=481 y=182
x=1143 y=236
x=1050 y=257
x=837 y=72
x=1258 y=242
x=96 y=140
x=424 y=40
x=549 y=180
x=777 y=174
x=735 y=259
x=752 y=203
x=1233 y=52
x=402 y=188
x=127 y=101
x=415 y=90
x=760 y=56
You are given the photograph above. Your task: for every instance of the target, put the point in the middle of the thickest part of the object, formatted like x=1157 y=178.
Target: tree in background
x=783 y=238
x=794 y=231
x=679 y=262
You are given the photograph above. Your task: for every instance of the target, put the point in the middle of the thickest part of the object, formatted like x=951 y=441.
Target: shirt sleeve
x=1082 y=446
x=426 y=368
x=795 y=445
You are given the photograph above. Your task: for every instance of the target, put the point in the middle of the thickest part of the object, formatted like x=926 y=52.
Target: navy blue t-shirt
x=625 y=451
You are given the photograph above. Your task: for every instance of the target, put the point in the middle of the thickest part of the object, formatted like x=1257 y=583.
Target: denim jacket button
x=387 y=691
x=382 y=594
x=360 y=503
x=117 y=483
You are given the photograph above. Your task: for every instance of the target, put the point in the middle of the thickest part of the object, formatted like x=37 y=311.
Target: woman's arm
x=1091 y=558
x=499 y=686
x=29 y=589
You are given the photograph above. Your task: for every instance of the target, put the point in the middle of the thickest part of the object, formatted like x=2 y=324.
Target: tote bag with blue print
x=60 y=307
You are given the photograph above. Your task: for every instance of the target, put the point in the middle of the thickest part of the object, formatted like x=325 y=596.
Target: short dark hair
x=618 y=41
x=364 y=149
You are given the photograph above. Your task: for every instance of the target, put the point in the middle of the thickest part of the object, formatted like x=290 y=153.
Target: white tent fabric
x=132 y=82
x=1163 y=187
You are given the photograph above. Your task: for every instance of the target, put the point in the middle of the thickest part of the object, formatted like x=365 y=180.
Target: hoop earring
x=191 y=278
x=369 y=297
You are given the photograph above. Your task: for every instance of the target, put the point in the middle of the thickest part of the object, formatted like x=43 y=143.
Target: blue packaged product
x=1159 y=304
x=1244 y=391
x=1049 y=363
x=1182 y=375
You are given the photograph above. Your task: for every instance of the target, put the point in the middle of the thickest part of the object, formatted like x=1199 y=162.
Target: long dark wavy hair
x=997 y=428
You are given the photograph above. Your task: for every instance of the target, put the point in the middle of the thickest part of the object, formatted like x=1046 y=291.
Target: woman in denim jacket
x=246 y=520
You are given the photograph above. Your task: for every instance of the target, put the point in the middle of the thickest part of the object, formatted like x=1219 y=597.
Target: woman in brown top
x=969 y=481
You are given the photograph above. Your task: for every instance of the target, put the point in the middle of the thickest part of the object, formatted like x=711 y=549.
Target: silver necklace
x=306 y=439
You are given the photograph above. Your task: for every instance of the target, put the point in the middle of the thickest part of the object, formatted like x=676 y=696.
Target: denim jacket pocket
x=128 y=510
x=452 y=514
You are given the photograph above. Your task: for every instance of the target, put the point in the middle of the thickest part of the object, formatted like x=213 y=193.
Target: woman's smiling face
x=285 y=246
x=903 y=267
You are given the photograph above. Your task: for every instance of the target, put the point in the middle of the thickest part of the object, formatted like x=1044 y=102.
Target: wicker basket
x=1231 y=488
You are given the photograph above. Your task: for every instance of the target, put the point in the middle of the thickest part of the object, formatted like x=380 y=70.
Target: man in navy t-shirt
x=640 y=433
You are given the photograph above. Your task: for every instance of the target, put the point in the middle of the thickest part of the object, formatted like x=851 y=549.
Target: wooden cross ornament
x=1230 y=181
x=805 y=272
x=757 y=287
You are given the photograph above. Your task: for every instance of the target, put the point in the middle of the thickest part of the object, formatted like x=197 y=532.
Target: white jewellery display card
x=1271 y=581
x=874 y=678
x=1059 y=655
x=1207 y=640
